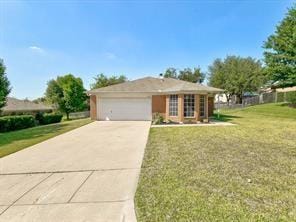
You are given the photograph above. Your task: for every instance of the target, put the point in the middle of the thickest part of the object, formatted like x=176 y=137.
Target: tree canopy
x=236 y=75
x=67 y=94
x=171 y=73
x=280 y=51
x=187 y=74
x=4 y=85
x=102 y=80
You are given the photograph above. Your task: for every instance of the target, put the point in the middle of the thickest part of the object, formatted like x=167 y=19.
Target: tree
x=280 y=54
x=101 y=80
x=218 y=77
x=171 y=73
x=4 y=85
x=195 y=76
x=67 y=94
x=187 y=74
x=236 y=75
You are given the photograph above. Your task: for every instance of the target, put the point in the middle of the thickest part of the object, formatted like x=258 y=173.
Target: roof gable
x=14 y=104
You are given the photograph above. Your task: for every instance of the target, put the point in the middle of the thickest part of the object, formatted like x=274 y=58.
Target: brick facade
x=93 y=107
x=211 y=106
x=160 y=104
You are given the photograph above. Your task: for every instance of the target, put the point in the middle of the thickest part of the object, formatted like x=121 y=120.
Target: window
x=202 y=106
x=189 y=105
x=173 y=105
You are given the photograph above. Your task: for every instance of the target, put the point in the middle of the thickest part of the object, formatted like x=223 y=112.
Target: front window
x=173 y=105
x=202 y=106
x=189 y=105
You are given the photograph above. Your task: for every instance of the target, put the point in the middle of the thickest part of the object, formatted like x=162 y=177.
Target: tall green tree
x=280 y=51
x=67 y=94
x=171 y=73
x=187 y=74
x=102 y=80
x=195 y=75
x=236 y=75
x=218 y=77
x=4 y=85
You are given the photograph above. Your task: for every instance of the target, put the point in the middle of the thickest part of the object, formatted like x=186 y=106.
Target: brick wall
x=93 y=107
x=211 y=105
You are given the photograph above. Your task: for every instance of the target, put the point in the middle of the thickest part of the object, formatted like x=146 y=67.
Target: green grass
x=245 y=172
x=14 y=141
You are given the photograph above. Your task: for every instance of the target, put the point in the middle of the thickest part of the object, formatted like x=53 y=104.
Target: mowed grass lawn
x=14 y=141
x=245 y=172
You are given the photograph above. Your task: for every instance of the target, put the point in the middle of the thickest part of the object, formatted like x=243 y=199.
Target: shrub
x=291 y=97
x=10 y=123
x=39 y=116
x=49 y=118
x=157 y=119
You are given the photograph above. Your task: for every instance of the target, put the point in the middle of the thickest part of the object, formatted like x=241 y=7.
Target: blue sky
x=41 y=40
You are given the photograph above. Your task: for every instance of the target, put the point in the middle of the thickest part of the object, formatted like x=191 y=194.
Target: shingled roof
x=155 y=85
x=17 y=105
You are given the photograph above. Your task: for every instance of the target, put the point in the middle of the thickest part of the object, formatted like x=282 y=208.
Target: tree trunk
x=67 y=114
x=239 y=98
x=228 y=99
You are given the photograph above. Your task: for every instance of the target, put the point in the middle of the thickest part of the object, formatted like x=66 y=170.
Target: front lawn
x=14 y=141
x=245 y=172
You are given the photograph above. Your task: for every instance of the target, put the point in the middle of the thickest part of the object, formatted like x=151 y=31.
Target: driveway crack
x=80 y=187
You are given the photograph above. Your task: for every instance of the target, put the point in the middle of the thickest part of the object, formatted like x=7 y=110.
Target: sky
x=40 y=40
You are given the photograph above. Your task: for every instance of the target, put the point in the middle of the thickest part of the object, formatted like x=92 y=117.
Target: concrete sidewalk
x=88 y=174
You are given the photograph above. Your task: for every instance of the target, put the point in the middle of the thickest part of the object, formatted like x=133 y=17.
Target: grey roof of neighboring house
x=14 y=105
x=156 y=85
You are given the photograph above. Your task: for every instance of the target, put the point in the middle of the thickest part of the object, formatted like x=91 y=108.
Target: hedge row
x=10 y=123
x=50 y=118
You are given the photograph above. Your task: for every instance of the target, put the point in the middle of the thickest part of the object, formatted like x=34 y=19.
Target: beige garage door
x=124 y=109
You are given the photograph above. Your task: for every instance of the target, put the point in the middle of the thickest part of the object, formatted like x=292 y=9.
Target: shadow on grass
x=288 y=105
x=224 y=117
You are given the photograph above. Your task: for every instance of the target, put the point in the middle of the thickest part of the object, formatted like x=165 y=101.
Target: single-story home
x=17 y=106
x=176 y=100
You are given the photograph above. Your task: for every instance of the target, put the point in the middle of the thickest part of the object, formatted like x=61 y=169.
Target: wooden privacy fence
x=273 y=97
x=78 y=115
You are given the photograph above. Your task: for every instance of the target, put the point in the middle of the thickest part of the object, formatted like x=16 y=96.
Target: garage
x=124 y=108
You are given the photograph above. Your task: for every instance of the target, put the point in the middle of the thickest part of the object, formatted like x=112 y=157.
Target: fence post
x=219 y=106
x=276 y=97
x=261 y=98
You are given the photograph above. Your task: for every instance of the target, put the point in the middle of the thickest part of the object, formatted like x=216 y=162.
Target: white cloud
x=36 y=49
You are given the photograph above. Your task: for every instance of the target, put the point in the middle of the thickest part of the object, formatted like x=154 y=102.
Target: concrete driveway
x=88 y=174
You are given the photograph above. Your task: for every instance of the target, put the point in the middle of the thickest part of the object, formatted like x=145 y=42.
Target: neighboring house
x=16 y=106
x=287 y=89
x=274 y=87
x=220 y=98
x=175 y=100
